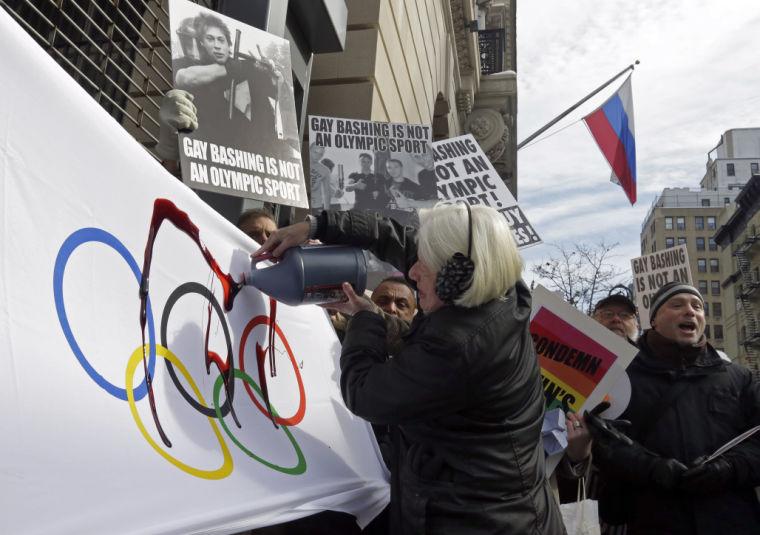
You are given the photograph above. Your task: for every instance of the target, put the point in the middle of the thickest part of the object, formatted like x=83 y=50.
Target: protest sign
x=581 y=361
x=652 y=271
x=370 y=165
x=464 y=173
x=81 y=447
x=246 y=143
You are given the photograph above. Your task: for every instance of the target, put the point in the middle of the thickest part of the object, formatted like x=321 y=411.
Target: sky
x=699 y=76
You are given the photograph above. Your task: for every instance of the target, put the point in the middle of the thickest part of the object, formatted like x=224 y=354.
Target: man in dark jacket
x=686 y=402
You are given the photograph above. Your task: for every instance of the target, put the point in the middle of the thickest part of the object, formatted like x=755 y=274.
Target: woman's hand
x=578 y=438
x=353 y=304
x=283 y=239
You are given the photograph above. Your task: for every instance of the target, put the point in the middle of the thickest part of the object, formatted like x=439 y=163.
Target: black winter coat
x=719 y=402
x=464 y=395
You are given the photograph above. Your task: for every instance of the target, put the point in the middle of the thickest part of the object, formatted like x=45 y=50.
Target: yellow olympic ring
x=219 y=473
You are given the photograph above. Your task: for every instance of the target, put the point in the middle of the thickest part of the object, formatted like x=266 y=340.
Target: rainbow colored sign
x=580 y=360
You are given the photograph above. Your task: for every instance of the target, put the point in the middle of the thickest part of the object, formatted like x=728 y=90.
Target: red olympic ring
x=298 y=416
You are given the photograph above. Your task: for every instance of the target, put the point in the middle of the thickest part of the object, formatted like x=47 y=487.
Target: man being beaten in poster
x=216 y=78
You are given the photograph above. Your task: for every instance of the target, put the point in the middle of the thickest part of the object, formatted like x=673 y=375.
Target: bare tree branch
x=582 y=273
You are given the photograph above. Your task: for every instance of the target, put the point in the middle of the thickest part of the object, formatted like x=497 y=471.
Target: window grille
x=117 y=50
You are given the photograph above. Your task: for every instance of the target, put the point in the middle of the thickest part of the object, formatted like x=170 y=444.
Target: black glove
x=666 y=473
x=708 y=477
x=606 y=431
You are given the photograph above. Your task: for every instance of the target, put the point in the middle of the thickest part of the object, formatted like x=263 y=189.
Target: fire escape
x=749 y=286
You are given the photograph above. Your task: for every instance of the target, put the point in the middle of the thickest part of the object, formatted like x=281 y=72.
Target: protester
x=465 y=389
x=257 y=223
x=395 y=296
x=685 y=403
x=618 y=313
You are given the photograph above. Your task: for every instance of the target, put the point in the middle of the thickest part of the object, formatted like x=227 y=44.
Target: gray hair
x=444 y=230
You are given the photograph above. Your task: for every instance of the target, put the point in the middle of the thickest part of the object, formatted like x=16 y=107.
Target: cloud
x=698 y=78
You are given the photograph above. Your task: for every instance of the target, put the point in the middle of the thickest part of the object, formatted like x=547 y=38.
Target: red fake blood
x=221 y=365
x=261 y=355
x=165 y=209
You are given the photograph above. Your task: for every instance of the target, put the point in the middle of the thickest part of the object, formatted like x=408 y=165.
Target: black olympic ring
x=184 y=289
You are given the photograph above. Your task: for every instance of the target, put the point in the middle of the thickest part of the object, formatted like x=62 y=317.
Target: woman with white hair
x=464 y=392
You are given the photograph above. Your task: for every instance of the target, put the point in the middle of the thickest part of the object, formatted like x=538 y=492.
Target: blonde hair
x=444 y=230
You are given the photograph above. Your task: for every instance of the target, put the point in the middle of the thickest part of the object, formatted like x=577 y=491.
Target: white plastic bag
x=581 y=517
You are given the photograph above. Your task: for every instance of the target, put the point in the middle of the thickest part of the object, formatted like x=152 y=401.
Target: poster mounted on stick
x=371 y=165
x=246 y=143
x=652 y=271
x=464 y=173
x=85 y=447
x=581 y=361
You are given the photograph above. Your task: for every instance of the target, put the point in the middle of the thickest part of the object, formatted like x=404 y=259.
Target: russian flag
x=612 y=127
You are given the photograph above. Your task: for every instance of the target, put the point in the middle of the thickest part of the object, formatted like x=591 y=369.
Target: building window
x=705 y=202
x=718 y=330
x=699 y=222
x=681 y=240
x=680 y=223
x=753 y=167
x=714 y=265
x=701 y=265
x=668 y=223
x=712 y=245
x=717 y=309
x=730 y=169
x=715 y=287
x=726 y=200
x=707 y=309
x=707 y=331
x=702 y=285
x=669 y=242
x=700 y=244
x=711 y=222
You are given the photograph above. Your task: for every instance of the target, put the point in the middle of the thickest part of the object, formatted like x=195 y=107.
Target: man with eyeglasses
x=618 y=314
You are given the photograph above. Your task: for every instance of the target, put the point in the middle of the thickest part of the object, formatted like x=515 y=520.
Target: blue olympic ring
x=76 y=239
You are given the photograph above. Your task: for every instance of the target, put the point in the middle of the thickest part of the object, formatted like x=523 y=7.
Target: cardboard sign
x=371 y=165
x=581 y=361
x=652 y=271
x=246 y=143
x=81 y=450
x=465 y=174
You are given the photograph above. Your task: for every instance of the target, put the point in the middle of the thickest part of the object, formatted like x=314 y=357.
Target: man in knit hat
x=686 y=402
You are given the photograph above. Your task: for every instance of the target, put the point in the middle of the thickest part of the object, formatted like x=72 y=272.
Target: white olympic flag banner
x=81 y=448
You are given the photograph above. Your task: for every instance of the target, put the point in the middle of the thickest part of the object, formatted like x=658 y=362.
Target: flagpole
x=564 y=114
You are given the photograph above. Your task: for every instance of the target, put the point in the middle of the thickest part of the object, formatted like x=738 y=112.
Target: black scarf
x=678 y=356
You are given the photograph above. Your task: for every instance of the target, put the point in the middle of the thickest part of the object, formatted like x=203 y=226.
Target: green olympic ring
x=300 y=466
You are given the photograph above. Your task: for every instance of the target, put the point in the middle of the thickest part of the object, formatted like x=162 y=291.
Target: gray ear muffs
x=456 y=274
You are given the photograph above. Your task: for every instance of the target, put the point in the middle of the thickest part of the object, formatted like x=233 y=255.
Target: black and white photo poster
x=246 y=143
x=465 y=174
x=371 y=165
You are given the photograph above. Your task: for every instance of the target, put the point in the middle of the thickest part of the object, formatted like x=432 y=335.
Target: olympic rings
x=131 y=394
x=299 y=414
x=300 y=466
x=76 y=239
x=184 y=289
x=221 y=472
